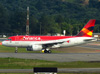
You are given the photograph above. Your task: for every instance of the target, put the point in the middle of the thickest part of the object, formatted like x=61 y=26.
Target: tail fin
x=87 y=29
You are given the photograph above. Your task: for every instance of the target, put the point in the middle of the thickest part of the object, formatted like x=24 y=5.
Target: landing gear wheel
x=16 y=50
x=47 y=51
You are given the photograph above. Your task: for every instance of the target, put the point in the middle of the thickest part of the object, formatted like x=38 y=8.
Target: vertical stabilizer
x=87 y=30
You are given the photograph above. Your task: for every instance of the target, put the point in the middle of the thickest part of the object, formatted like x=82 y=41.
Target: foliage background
x=52 y=16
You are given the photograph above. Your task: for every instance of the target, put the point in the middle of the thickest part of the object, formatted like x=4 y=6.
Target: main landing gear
x=16 y=51
x=46 y=51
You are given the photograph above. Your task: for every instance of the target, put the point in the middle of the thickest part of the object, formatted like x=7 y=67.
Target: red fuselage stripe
x=38 y=38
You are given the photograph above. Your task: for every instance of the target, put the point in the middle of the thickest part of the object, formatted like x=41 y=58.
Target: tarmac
x=59 y=57
x=59 y=70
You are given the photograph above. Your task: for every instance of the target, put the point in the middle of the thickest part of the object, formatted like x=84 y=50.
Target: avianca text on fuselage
x=32 y=38
x=44 y=43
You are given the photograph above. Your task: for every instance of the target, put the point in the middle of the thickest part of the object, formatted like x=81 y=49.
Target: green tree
x=60 y=20
x=34 y=25
x=4 y=26
x=46 y=23
x=19 y=22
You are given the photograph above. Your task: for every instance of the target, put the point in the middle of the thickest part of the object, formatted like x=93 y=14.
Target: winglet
x=87 y=30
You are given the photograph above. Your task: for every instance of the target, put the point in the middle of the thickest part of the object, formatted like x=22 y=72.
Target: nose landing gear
x=16 y=51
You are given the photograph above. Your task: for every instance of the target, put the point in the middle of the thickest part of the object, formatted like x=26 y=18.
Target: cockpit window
x=9 y=39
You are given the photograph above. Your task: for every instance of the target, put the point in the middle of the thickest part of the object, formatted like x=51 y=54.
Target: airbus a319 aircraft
x=45 y=43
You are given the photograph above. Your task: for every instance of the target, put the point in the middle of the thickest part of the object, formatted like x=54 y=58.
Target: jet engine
x=34 y=48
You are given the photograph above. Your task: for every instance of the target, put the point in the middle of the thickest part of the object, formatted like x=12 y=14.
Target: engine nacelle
x=35 y=48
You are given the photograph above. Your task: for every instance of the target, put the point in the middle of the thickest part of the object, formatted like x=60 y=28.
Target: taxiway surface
x=60 y=70
x=59 y=57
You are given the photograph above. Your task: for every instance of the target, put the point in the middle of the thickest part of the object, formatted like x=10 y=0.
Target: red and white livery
x=44 y=43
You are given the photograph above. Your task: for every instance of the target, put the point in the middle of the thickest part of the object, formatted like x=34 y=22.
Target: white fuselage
x=65 y=42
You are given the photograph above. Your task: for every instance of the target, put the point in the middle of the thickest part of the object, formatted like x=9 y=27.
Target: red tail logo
x=88 y=29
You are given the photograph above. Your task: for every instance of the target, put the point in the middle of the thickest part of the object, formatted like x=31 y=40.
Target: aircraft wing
x=51 y=43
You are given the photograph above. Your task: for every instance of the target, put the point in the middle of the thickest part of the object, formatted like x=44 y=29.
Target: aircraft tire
x=49 y=51
x=45 y=51
x=16 y=51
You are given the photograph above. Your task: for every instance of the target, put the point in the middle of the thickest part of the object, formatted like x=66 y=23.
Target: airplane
x=45 y=43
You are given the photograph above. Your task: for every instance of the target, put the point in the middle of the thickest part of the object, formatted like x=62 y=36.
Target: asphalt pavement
x=59 y=57
x=60 y=70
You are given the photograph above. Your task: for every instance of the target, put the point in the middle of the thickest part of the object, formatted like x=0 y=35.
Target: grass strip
x=22 y=50
x=14 y=63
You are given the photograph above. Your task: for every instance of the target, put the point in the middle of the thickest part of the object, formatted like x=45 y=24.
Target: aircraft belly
x=72 y=42
x=66 y=44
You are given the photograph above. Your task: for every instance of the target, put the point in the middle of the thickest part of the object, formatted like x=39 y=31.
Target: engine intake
x=35 y=48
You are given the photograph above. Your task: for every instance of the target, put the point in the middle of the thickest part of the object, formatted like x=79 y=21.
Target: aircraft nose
x=3 y=43
x=0 y=43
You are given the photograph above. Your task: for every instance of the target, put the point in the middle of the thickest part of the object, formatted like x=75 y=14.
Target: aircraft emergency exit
x=45 y=43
